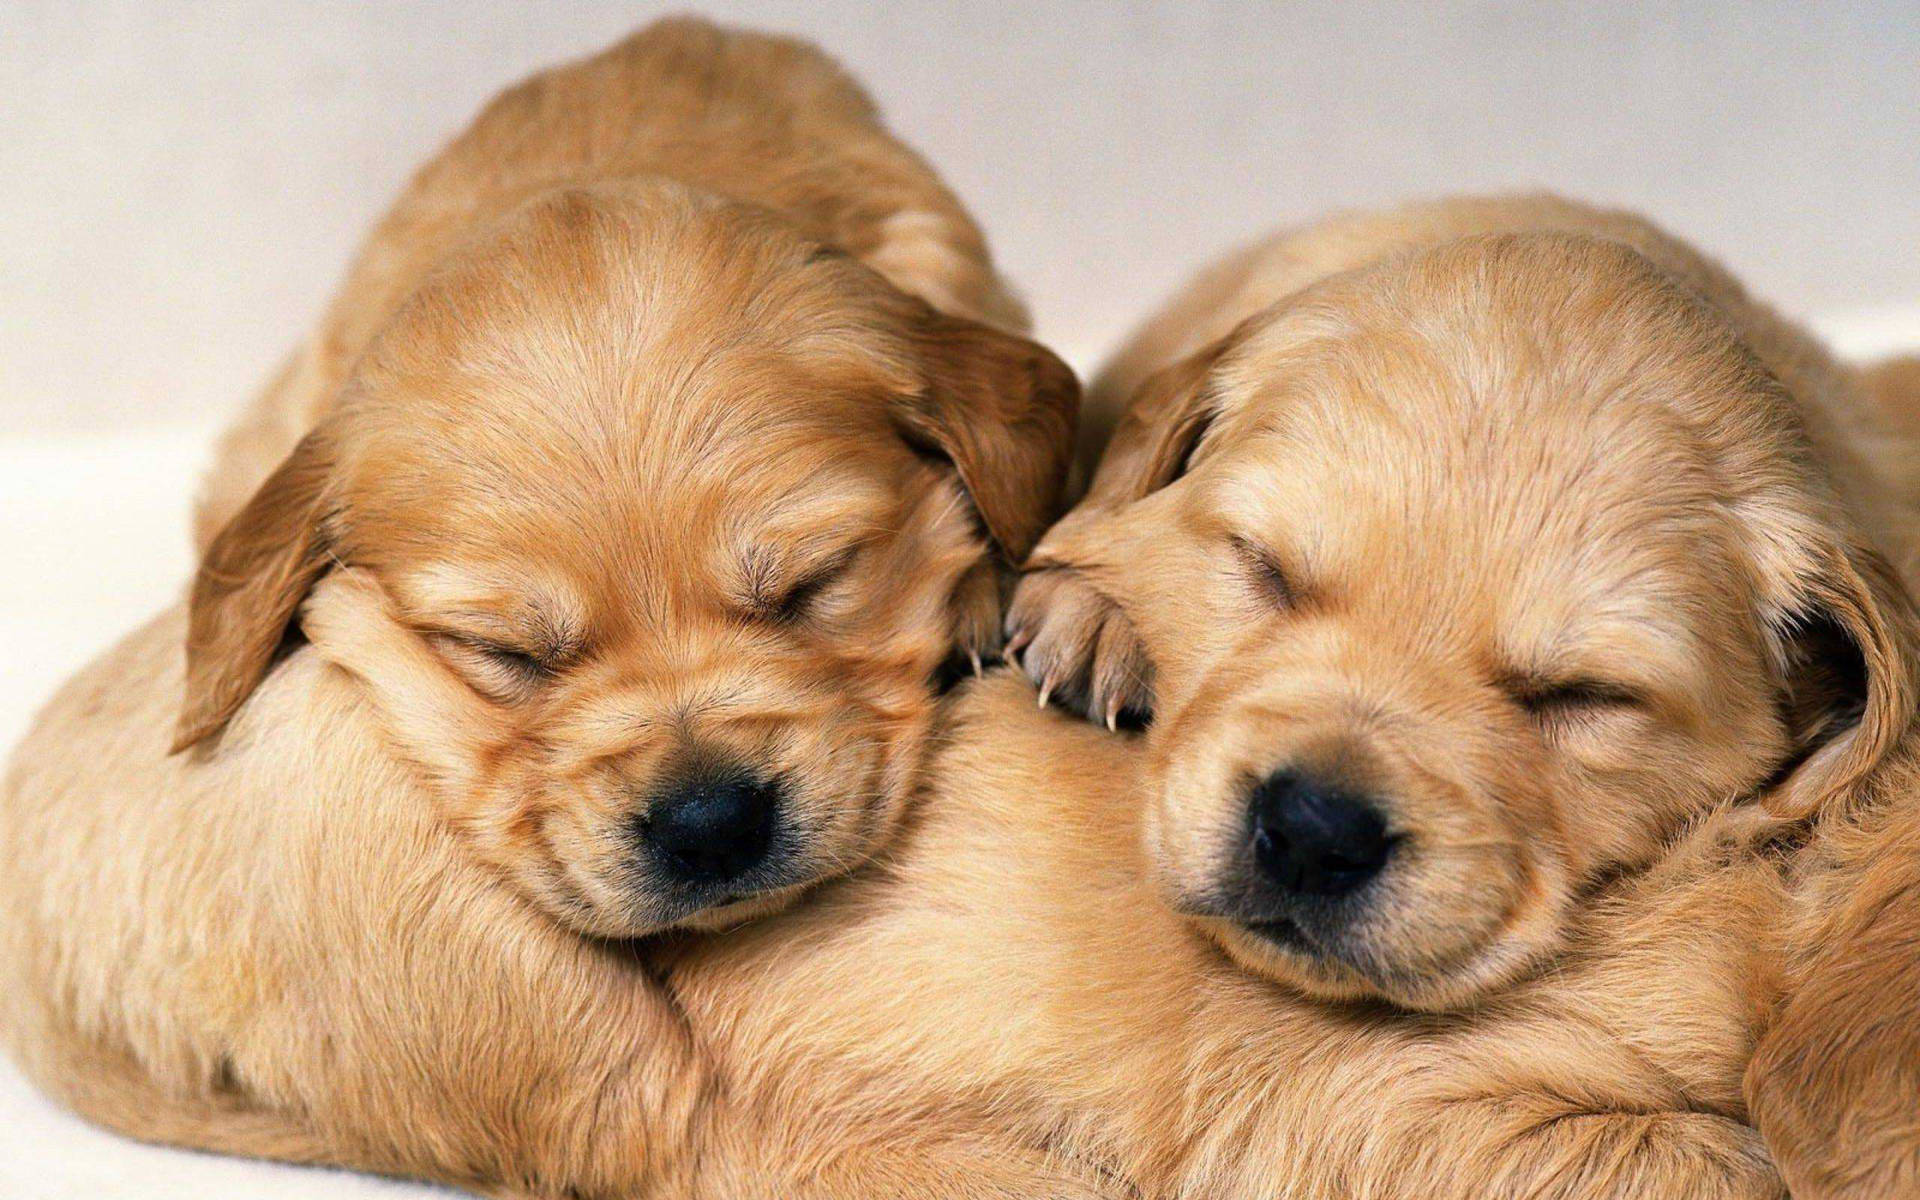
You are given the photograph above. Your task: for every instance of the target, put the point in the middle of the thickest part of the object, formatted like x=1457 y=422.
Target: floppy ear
x=1832 y=1079
x=1846 y=650
x=250 y=583
x=1001 y=409
x=1163 y=423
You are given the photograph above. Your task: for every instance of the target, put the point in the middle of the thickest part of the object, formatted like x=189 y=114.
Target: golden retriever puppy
x=287 y=949
x=689 y=500
x=675 y=493
x=1464 y=556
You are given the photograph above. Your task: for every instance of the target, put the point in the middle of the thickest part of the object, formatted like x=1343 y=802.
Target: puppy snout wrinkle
x=1311 y=838
x=714 y=827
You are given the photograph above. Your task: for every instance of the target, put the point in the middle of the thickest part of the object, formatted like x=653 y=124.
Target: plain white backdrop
x=181 y=186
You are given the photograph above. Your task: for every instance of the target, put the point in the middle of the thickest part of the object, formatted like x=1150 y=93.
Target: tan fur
x=586 y=427
x=1007 y=1005
x=1836 y=1082
x=287 y=953
x=1870 y=445
x=253 y=953
x=1385 y=479
x=1016 y=969
x=618 y=464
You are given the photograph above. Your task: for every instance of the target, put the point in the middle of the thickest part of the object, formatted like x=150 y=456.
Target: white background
x=181 y=185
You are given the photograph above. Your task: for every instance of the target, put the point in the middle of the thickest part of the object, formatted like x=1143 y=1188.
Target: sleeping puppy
x=630 y=409
x=1515 y=663
x=1463 y=557
x=671 y=492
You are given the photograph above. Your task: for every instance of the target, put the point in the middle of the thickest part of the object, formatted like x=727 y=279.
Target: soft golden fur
x=663 y=433
x=1033 y=984
x=1006 y=1005
x=288 y=953
x=1520 y=517
x=1835 y=1083
x=625 y=413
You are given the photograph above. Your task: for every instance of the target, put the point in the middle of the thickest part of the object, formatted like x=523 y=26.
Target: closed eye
x=1548 y=698
x=520 y=662
x=501 y=671
x=1272 y=581
x=799 y=596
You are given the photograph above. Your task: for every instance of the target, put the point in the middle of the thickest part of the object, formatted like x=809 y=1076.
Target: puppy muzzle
x=715 y=836
x=1311 y=853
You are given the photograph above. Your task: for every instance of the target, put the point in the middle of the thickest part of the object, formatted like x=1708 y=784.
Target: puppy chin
x=721 y=917
x=1282 y=956
x=1467 y=976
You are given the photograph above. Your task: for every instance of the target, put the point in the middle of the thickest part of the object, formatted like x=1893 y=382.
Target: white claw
x=975 y=656
x=1113 y=718
x=1046 y=689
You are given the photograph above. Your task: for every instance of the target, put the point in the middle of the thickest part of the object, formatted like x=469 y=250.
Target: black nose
x=1312 y=839
x=714 y=828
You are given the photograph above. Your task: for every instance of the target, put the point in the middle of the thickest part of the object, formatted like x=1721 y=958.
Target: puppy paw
x=978 y=601
x=1080 y=649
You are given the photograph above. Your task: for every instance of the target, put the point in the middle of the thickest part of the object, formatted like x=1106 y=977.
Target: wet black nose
x=714 y=828
x=1313 y=839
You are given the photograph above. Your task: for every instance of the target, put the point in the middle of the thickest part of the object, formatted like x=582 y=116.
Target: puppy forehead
x=489 y=591
x=583 y=536
x=1548 y=474
x=608 y=371
x=599 y=323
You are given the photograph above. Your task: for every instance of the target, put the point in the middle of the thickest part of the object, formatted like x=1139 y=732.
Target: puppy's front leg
x=978 y=605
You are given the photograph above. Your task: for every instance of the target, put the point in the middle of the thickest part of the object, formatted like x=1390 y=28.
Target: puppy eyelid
x=793 y=602
x=524 y=666
x=1266 y=574
x=519 y=660
x=1541 y=697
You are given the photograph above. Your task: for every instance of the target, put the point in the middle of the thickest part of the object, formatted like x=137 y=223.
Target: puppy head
x=652 y=524
x=1467 y=580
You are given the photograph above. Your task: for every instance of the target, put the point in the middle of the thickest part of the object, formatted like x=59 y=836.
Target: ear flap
x=250 y=583
x=1002 y=409
x=1850 y=686
x=1164 y=421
